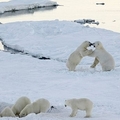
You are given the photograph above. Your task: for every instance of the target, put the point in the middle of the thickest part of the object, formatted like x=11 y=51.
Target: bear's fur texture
x=101 y=55
x=81 y=104
x=75 y=58
x=41 y=105
x=7 y=112
x=20 y=104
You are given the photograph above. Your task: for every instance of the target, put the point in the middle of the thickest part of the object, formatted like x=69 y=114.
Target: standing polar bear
x=75 y=58
x=7 y=112
x=41 y=105
x=81 y=104
x=20 y=104
x=101 y=55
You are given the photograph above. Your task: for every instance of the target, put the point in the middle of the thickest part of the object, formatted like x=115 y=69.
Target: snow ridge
x=13 y=5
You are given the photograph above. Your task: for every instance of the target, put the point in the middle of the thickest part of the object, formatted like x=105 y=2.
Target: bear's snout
x=90 y=44
x=65 y=105
x=52 y=107
x=93 y=44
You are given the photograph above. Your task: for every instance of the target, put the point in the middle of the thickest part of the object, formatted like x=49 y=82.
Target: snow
x=23 y=75
x=24 y=4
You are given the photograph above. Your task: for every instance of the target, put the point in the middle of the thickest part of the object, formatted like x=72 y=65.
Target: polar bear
x=20 y=104
x=41 y=105
x=101 y=55
x=81 y=104
x=7 y=112
x=75 y=58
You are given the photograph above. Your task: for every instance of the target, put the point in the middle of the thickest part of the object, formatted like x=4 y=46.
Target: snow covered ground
x=15 y=5
x=23 y=75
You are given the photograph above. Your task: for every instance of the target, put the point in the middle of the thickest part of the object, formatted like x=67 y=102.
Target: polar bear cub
x=75 y=58
x=20 y=104
x=81 y=104
x=101 y=55
x=41 y=105
x=7 y=112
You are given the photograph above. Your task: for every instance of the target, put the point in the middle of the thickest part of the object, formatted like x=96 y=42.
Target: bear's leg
x=96 y=61
x=105 y=69
x=74 y=112
x=72 y=68
x=88 y=113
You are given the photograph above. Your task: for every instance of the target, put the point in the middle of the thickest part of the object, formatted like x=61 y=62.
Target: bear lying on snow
x=7 y=112
x=41 y=105
x=81 y=104
x=20 y=104
x=101 y=55
x=75 y=58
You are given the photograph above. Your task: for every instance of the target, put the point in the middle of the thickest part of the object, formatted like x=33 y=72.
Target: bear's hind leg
x=88 y=113
x=72 y=68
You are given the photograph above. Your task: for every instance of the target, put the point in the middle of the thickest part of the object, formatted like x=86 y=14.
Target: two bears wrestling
x=23 y=107
x=101 y=56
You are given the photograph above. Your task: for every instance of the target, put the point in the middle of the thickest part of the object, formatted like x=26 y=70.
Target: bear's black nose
x=65 y=105
x=90 y=44
x=52 y=107
x=93 y=44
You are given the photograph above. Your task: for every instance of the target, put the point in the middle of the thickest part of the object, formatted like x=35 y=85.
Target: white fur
x=101 y=55
x=7 y=112
x=20 y=104
x=81 y=104
x=75 y=58
x=41 y=105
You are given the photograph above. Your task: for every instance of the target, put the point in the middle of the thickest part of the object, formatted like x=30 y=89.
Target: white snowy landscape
x=24 y=75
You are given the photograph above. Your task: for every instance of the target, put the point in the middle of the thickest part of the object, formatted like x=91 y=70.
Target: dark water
x=1 y=45
x=108 y=15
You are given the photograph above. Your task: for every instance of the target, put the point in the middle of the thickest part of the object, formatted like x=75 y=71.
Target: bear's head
x=67 y=103
x=98 y=45
x=23 y=113
x=86 y=44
